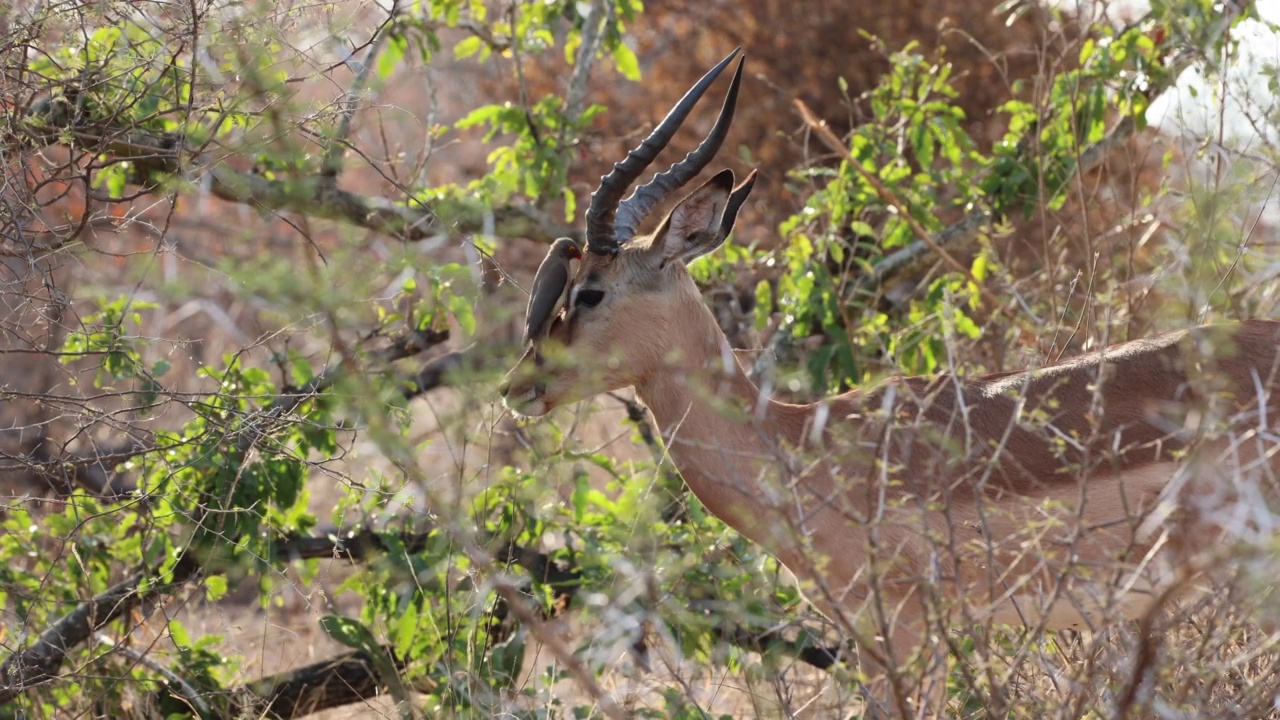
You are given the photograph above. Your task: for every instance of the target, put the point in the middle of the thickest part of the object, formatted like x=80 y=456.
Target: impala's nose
x=524 y=398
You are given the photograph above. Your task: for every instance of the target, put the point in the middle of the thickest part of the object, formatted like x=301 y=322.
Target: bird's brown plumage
x=549 y=284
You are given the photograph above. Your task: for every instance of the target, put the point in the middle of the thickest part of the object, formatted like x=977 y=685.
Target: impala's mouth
x=528 y=403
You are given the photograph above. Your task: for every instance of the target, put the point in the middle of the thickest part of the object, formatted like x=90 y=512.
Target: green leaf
x=764 y=304
x=627 y=62
x=507 y=660
x=966 y=326
x=178 y=633
x=580 y=491
x=406 y=629
x=479 y=116
x=1086 y=51
x=464 y=313
x=979 y=267
x=570 y=203
x=391 y=56
x=349 y=632
x=466 y=48
x=215 y=587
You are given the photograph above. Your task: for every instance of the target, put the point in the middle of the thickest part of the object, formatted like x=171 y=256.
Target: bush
x=259 y=287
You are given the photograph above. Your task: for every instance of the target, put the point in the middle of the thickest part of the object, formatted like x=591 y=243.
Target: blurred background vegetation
x=263 y=263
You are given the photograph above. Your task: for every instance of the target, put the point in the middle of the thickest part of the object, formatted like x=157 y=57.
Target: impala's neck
x=725 y=440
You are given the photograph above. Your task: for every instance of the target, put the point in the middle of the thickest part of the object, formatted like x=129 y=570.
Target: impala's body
x=1063 y=496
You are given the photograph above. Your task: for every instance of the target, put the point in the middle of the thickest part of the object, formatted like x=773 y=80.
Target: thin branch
x=670 y=481
x=39 y=663
x=592 y=35
x=189 y=692
x=332 y=162
x=156 y=158
x=93 y=472
x=537 y=627
x=819 y=127
x=1093 y=156
x=496 y=43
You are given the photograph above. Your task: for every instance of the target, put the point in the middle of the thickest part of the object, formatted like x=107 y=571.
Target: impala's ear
x=702 y=221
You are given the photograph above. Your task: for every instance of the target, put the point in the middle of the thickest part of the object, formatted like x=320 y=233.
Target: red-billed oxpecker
x=549 y=286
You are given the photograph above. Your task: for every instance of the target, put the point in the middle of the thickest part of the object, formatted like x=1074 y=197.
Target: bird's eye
x=589 y=298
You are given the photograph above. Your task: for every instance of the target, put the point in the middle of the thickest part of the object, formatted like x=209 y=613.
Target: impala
x=1060 y=497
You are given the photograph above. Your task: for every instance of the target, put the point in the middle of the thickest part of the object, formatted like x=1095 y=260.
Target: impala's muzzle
x=528 y=403
x=523 y=389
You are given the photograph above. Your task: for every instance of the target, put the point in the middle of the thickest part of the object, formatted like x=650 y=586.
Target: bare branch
x=592 y=34
x=332 y=163
x=157 y=157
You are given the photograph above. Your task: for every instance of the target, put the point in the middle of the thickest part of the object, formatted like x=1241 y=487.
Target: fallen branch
x=39 y=663
x=343 y=680
x=804 y=648
x=435 y=373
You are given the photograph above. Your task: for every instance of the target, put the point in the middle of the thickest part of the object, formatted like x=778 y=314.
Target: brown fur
x=1028 y=496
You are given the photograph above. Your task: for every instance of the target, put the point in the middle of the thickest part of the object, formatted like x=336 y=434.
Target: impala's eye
x=589 y=298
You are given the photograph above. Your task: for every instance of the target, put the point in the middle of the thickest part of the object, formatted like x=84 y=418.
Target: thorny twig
x=332 y=162
x=156 y=157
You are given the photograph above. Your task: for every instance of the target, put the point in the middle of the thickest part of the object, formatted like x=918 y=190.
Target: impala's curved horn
x=633 y=210
x=603 y=234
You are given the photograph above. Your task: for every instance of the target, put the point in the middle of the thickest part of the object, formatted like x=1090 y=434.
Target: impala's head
x=629 y=303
